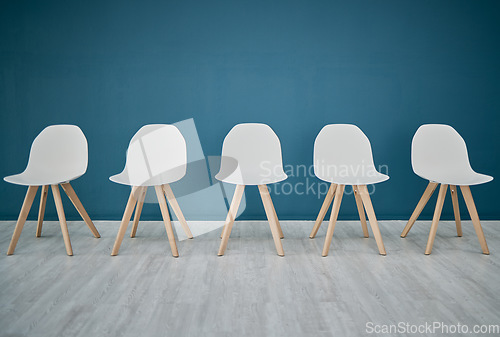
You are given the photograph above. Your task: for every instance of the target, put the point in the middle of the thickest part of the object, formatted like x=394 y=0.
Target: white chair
x=343 y=156
x=58 y=155
x=439 y=154
x=156 y=156
x=251 y=155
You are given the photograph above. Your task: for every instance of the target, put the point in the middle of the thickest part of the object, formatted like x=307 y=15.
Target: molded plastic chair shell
x=439 y=154
x=251 y=155
x=58 y=154
x=343 y=155
x=156 y=155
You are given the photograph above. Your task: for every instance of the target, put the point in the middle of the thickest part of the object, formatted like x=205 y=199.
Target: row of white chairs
x=251 y=155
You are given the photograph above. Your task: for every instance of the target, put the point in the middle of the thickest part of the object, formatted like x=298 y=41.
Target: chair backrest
x=156 y=154
x=59 y=151
x=251 y=155
x=342 y=150
x=438 y=148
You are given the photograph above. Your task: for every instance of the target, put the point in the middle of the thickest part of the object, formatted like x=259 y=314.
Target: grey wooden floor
x=250 y=291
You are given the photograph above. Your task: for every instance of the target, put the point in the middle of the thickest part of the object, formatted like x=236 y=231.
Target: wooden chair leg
x=62 y=218
x=268 y=207
x=435 y=218
x=166 y=220
x=177 y=210
x=138 y=210
x=456 y=209
x=224 y=227
x=25 y=209
x=41 y=210
x=132 y=200
x=469 y=201
x=70 y=192
x=333 y=219
x=431 y=187
x=361 y=211
x=367 y=202
x=324 y=208
x=276 y=220
x=231 y=216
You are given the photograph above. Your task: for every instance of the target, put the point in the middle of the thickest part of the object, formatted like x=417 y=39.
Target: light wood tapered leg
x=361 y=211
x=231 y=216
x=166 y=220
x=268 y=207
x=276 y=220
x=435 y=218
x=471 y=206
x=41 y=210
x=367 y=202
x=62 y=218
x=333 y=219
x=431 y=187
x=79 y=207
x=138 y=210
x=456 y=208
x=324 y=208
x=132 y=199
x=177 y=210
x=23 y=214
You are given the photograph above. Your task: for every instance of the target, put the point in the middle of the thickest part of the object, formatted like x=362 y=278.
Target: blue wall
x=387 y=66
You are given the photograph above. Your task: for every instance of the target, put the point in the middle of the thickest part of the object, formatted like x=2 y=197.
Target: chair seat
x=458 y=178
x=38 y=178
x=250 y=178
x=167 y=177
x=365 y=179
